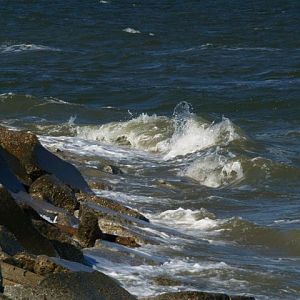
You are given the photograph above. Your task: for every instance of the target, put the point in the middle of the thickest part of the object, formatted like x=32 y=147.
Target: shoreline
x=49 y=214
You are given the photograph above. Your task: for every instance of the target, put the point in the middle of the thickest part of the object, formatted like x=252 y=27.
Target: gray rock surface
x=17 y=222
x=72 y=286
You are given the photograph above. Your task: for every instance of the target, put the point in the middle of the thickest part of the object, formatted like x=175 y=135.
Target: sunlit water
x=198 y=104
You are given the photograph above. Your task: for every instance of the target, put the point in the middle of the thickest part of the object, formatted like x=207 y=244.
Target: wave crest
x=183 y=134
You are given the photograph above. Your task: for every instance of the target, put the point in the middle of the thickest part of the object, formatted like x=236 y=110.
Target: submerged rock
x=166 y=281
x=111 y=169
x=98 y=185
x=195 y=295
x=50 y=188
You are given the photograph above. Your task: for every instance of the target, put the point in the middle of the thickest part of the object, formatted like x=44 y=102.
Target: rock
x=25 y=261
x=41 y=265
x=45 y=265
x=122 y=240
x=124 y=231
x=68 y=251
x=111 y=169
x=1 y=281
x=7 y=177
x=166 y=281
x=111 y=204
x=7 y=258
x=114 y=223
x=14 y=275
x=17 y=222
x=88 y=231
x=123 y=141
x=8 y=242
x=37 y=161
x=65 y=246
x=50 y=188
x=72 y=286
x=98 y=185
x=195 y=295
x=127 y=241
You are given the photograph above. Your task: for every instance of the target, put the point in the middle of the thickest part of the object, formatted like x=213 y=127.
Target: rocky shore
x=48 y=215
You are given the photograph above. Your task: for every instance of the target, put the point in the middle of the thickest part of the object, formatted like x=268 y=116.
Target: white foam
x=215 y=170
x=169 y=137
x=6 y=48
x=193 y=136
x=131 y=30
x=138 y=280
x=143 y=132
x=187 y=219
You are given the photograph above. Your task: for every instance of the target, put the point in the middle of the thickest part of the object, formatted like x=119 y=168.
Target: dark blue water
x=99 y=62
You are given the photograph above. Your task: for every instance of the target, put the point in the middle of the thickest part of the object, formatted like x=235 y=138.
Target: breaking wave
x=183 y=134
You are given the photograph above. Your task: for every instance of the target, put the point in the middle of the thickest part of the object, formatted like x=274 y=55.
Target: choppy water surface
x=198 y=103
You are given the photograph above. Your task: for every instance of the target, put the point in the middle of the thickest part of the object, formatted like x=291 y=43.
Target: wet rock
x=73 y=286
x=88 y=231
x=166 y=281
x=123 y=141
x=127 y=241
x=111 y=204
x=8 y=242
x=111 y=169
x=98 y=185
x=37 y=161
x=115 y=223
x=122 y=240
x=17 y=222
x=194 y=295
x=50 y=188
x=112 y=226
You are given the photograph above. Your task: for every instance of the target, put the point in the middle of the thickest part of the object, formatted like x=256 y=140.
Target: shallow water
x=197 y=103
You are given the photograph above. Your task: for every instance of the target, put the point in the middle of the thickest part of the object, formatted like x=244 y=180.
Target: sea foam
x=183 y=134
x=131 y=30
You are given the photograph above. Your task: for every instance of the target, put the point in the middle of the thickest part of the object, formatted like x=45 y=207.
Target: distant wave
x=131 y=30
x=251 y=49
x=6 y=48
